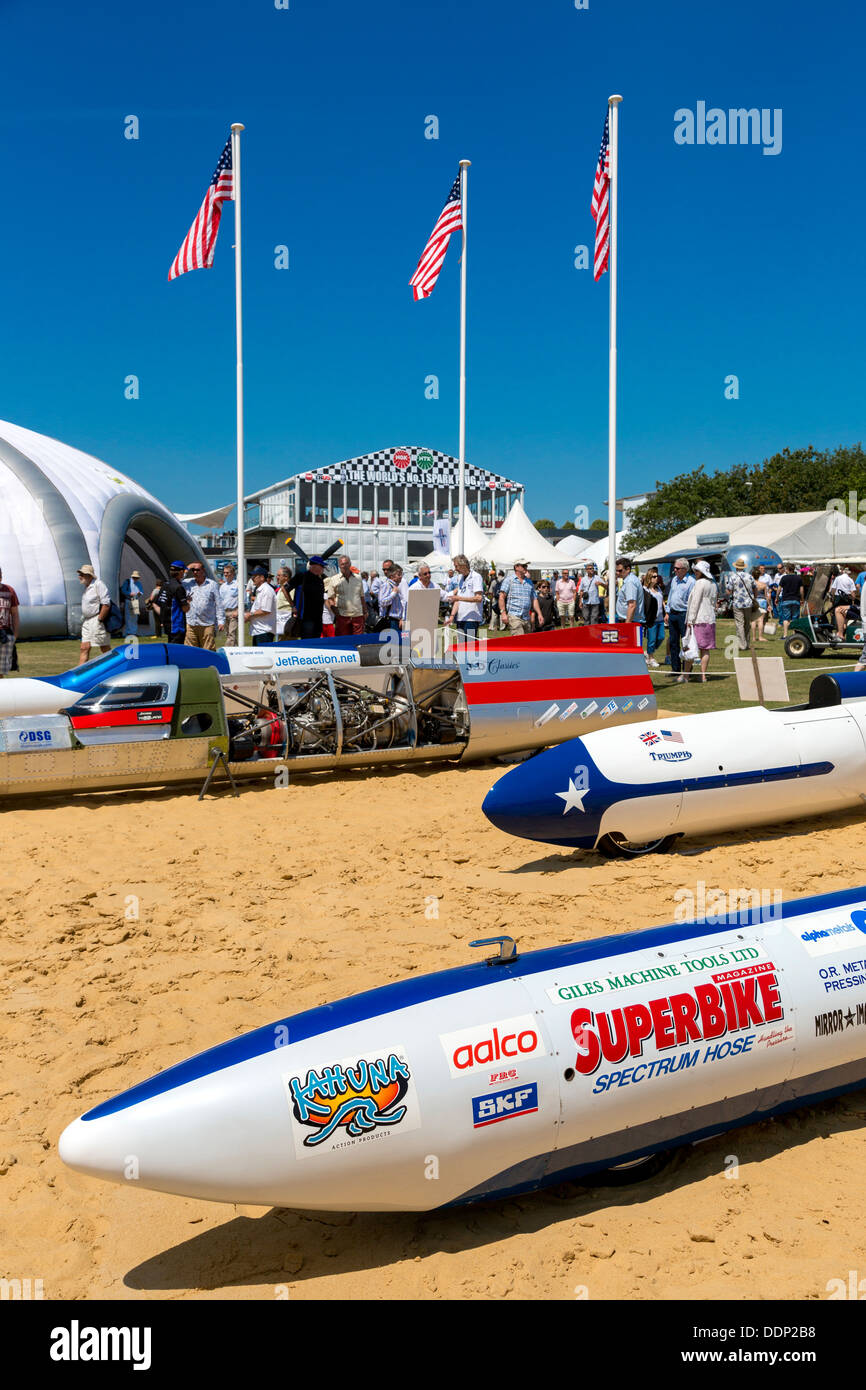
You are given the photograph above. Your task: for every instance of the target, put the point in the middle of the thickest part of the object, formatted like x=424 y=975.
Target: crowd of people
x=678 y=618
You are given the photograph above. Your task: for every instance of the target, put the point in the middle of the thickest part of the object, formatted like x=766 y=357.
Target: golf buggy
x=815 y=629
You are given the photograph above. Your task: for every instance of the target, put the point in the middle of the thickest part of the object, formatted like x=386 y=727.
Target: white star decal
x=573 y=797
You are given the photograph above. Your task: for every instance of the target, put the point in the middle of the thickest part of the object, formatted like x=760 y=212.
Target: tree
x=798 y=480
x=545 y=524
x=598 y=525
x=568 y=526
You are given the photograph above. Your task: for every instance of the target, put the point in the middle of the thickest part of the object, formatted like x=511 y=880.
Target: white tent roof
x=517 y=539
x=804 y=536
x=597 y=552
x=214 y=518
x=474 y=541
x=572 y=545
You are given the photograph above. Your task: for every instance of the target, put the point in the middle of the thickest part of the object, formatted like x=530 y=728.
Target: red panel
x=123 y=718
x=573 y=639
x=512 y=692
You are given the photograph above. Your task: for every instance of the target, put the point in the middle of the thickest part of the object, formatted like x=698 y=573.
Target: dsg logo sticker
x=504 y=1040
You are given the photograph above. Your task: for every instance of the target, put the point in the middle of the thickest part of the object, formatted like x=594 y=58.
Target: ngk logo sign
x=472 y=1048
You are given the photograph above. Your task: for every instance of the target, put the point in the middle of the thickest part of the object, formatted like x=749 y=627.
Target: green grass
x=720 y=691
x=50 y=658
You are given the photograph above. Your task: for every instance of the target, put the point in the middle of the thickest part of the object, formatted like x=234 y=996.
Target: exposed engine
x=304 y=719
x=369 y=718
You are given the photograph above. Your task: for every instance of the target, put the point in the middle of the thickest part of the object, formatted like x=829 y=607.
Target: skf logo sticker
x=503 y=1041
x=352 y=1102
x=34 y=736
x=610 y=636
x=504 y=1105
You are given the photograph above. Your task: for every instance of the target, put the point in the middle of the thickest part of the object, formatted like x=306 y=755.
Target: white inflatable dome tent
x=60 y=509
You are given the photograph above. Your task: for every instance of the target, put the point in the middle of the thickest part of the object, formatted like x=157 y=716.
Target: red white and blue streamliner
x=499 y=1077
x=154 y=714
x=633 y=791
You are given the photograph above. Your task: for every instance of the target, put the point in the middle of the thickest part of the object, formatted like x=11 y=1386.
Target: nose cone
x=89 y=1148
x=557 y=796
x=194 y=1142
x=216 y=1126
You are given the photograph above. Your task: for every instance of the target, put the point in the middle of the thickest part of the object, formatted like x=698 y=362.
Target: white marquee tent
x=595 y=551
x=517 y=539
x=573 y=545
x=803 y=537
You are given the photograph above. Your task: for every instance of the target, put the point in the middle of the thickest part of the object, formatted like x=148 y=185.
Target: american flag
x=671 y=736
x=200 y=241
x=450 y=220
x=600 y=202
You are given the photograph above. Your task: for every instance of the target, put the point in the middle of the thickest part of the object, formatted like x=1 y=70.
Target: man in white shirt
x=842 y=591
x=263 y=611
x=422 y=578
x=229 y=600
x=95 y=608
x=468 y=606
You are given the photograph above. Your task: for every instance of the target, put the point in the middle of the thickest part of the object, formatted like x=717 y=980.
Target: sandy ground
x=287 y=898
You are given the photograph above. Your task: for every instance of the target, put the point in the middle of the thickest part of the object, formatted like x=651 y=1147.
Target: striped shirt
x=205 y=605
x=519 y=596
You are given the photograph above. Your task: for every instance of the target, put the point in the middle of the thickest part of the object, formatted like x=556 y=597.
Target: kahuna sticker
x=354 y=1101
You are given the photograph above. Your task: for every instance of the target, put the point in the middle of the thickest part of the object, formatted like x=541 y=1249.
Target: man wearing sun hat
x=262 y=616
x=95 y=608
x=132 y=601
x=741 y=587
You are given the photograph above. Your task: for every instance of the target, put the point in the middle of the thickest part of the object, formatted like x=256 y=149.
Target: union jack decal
x=650 y=737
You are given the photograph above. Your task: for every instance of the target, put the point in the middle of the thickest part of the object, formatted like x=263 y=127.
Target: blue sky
x=731 y=261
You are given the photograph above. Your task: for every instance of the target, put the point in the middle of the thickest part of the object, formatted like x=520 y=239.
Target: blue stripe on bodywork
x=421 y=989
x=85 y=678
x=524 y=802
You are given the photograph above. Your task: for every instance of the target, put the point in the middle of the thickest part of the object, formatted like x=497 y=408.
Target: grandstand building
x=381 y=505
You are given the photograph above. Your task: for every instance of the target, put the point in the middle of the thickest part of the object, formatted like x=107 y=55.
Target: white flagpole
x=464 y=180
x=613 y=137
x=242 y=557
